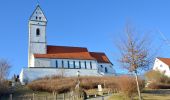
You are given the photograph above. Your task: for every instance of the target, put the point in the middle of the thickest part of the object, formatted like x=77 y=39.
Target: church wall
x=40 y=62
x=43 y=62
x=30 y=74
x=108 y=66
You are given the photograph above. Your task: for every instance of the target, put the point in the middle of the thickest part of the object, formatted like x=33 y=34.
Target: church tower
x=37 y=35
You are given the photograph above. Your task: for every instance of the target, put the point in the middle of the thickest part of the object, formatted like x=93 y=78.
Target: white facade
x=106 y=68
x=37 y=34
x=30 y=74
x=162 y=67
x=39 y=67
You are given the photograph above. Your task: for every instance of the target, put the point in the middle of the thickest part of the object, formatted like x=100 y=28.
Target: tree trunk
x=137 y=83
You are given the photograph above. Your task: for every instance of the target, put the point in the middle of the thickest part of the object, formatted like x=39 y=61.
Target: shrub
x=158 y=80
x=127 y=85
x=156 y=76
x=124 y=84
x=4 y=87
x=65 y=84
x=158 y=86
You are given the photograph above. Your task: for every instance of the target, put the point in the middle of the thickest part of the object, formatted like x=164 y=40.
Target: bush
x=158 y=86
x=4 y=87
x=157 y=80
x=127 y=85
x=65 y=84
x=124 y=84
x=156 y=76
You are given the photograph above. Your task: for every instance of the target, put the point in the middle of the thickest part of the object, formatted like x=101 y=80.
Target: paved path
x=100 y=98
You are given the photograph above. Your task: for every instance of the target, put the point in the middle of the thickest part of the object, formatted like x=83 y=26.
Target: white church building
x=162 y=65
x=48 y=60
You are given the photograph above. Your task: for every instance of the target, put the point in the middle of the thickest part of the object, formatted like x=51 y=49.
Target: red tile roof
x=100 y=57
x=65 y=52
x=165 y=60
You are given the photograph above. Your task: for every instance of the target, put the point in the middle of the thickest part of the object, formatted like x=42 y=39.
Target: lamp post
x=78 y=81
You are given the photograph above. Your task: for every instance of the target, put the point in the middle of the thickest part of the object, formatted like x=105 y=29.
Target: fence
x=65 y=96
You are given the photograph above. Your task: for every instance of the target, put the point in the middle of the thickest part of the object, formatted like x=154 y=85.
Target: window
x=56 y=64
x=161 y=65
x=101 y=66
x=80 y=64
x=74 y=64
x=85 y=65
x=39 y=18
x=36 y=17
x=62 y=64
x=91 y=65
x=38 y=32
x=68 y=64
x=106 y=70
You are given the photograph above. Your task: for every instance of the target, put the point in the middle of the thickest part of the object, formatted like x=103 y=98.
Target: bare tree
x=4 y=69
x=135 y=54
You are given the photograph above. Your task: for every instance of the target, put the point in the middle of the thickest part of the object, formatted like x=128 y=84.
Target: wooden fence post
x=33 y=96
x=46 y=97
x=63 y=96
x=10 y=96
x=55 y=96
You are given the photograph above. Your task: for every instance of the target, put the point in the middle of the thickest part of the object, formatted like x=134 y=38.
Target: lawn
x=146 y=95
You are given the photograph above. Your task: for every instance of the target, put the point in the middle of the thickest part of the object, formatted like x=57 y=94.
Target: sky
x=95 y=24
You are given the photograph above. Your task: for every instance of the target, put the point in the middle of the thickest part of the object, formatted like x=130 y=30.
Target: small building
x=162 y=65
x=48 y=60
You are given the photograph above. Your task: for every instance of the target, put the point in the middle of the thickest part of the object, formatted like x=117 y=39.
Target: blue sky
x=95 y=24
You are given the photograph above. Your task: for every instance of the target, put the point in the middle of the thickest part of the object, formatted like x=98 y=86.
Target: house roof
x=66 y=52
x=100 y=57
x=165 y=60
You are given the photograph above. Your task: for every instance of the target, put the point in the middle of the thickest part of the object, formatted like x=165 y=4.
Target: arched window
x=38 y=32
x=106 y=70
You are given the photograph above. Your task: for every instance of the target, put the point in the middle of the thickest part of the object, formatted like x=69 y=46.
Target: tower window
x=38 y=32
x=39 y=18
x=36 y=17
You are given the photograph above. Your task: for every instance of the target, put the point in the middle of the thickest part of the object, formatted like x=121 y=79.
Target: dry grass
x=128 y=86
x=124 y=84
x=66 y=84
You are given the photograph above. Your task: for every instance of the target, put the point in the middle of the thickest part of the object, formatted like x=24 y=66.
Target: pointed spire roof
x=38 y=15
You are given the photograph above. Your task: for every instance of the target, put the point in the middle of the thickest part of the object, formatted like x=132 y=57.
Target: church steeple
x=37 y=34
x=38 y=15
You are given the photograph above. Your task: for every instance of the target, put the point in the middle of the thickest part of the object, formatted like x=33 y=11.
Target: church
x=49 y=60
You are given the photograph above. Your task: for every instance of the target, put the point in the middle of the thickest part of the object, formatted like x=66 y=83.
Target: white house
x=162 y=65
x=47 y=60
